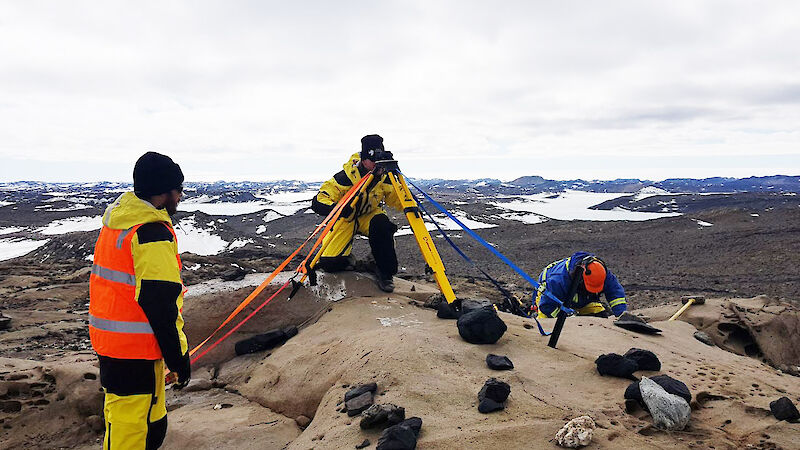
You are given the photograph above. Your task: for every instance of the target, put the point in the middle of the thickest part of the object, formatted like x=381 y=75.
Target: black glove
x=184 y=372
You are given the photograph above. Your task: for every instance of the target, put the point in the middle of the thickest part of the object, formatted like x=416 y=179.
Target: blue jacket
x=555 y=279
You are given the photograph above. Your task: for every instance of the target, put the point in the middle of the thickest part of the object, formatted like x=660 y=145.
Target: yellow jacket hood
x=129 y=210
x=352 y=162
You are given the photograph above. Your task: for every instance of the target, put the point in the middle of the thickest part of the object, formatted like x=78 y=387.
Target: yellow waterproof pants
x=339 y=241
x=138 y=420
x=588 y=310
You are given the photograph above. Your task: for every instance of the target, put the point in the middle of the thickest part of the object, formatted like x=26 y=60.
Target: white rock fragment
x=578 y=432
x=669 y=411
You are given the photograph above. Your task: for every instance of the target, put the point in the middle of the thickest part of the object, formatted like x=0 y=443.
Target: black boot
x=385 y=283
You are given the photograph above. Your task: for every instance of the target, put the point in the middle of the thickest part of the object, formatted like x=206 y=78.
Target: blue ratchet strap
x=489 y=246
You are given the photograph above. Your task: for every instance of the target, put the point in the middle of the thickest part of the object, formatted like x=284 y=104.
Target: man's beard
x=171 y=206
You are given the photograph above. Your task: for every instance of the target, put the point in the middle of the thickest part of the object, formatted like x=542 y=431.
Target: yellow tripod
x=412 y=212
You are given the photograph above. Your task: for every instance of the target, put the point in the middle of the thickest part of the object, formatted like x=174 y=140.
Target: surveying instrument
x=434 y=265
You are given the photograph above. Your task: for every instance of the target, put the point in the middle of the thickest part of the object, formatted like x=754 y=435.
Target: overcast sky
x=260 y=90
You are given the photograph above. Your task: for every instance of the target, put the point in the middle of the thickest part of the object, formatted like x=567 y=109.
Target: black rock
x=646 y=359
x=488 y=405
x=397 y=437
x=784 y=409
x=382 y=415
x=481 y=326
x=415 y=423
x=357 y=405
x=364 y=444
x=669 y=384
x=266 y=341
x=499 y=362
x=358 y=390
x=616 y=365
x=492 y=395
x=448 y=311
x=635 y=323
x=704 y=338
x=471 y=304
x=233 y=274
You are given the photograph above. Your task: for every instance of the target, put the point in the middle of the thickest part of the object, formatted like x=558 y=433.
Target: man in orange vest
x=136 y=297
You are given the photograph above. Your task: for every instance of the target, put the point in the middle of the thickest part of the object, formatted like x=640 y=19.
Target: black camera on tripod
x=385 y=160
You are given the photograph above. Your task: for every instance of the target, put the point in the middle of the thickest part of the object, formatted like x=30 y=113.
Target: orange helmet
x=594 y=277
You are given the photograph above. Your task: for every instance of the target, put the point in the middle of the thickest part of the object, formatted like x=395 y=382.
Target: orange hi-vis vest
x=118 y=327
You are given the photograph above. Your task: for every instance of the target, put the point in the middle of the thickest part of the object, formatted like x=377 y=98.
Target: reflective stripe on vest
x=114 y=275
x=118 y=326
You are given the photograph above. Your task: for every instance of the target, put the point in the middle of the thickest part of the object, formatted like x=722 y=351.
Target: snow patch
x=72 y=224
x=702 y=223
x=197 y=240
x=239 y=243
x=650 y=191
x=12 y=248
x=574 y=205
x=10 y=230
x=251 y=279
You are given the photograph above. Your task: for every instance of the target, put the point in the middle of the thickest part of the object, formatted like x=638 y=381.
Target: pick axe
x=688 y=300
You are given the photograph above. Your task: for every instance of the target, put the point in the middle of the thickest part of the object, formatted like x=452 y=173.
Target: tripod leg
x=421 y=234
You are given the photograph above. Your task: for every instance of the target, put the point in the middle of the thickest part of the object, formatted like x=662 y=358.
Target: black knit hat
x=155 y=174
x=370 y=144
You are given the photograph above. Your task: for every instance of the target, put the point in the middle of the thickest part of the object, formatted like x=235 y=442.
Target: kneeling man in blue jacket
x=556 y=279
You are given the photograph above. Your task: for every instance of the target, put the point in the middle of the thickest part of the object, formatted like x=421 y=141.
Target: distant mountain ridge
x=487 y=186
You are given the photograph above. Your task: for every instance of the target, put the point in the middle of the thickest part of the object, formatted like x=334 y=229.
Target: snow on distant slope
x=574 y=205
x=200 y=241
x=72 y=224
x=12 y=248
x=10 y=230
x=283 y=203
x=288 y=197
x=3 y=203
x=650 y=191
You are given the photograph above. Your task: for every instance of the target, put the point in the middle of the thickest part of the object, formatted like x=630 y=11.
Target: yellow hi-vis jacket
x=334 y=189
x=135 y=288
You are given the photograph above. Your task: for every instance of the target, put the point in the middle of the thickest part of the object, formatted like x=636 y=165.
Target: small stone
x=357 y=405
x=415 y=423
x=5 y=322
x=493 y=395
x=669 y=411
x=616 y=366
x=358 y=390
x=645 y=359
x=382 y=415
x=488 y=405
x=302 y=421
x=499 y=362
x=364 y=444
x=784 y=409
x=578 y=432
x=96 y=423
x=704 y=338
x=397 y=437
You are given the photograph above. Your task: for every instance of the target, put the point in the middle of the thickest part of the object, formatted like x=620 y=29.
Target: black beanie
x=155 y=174
x=369 y=144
